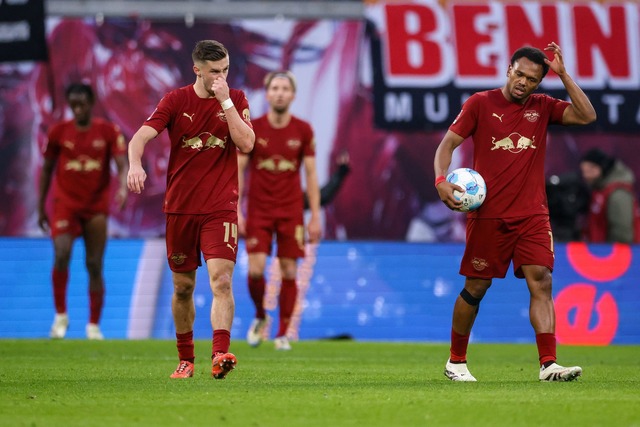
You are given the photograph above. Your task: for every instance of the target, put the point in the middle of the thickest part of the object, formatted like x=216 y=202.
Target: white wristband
x=226 y=104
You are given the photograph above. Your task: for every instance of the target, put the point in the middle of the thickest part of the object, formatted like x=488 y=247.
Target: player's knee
x=470 y=299
x=183 y=288
x=94 y=267
x=221 y=284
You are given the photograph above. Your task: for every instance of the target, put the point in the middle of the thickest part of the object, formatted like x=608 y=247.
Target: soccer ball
x=476 y=189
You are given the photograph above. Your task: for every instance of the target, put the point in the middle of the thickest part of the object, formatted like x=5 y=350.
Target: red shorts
x=215 y=235
x=493 y=243
x=289 y=235
x=67 y=220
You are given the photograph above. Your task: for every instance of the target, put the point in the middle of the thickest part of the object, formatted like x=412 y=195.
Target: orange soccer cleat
x=184 y=370
x=222 y=364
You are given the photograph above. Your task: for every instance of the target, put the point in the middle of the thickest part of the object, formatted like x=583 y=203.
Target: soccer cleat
x=222 y=364
x=555 y=372
x=93 y=332
x=256 y=330
x=458 y=372
x=60 y=326
x=282 y=343
x=184 y=370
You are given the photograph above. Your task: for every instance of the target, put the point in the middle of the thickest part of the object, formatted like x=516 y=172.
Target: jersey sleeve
x=161 y=116
x=118 y=145
x=52 y=147
x=466 y=121
x=242 y=105
x=309 y=141
x=557 y=107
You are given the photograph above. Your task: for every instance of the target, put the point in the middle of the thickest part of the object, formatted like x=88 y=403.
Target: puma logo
x=232 y=248
x=190 y=117
x=499 y=117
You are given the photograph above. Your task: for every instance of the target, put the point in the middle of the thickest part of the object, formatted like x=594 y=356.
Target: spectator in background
x=568 y=200
x=613 y=212
x=80 y=151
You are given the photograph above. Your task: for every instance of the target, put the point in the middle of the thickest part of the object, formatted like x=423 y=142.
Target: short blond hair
x=282 y=73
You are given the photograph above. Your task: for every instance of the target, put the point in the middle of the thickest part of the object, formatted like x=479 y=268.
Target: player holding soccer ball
x=508 y=127
x=208 y=123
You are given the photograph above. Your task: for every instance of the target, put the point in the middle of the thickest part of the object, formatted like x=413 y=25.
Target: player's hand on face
x=136 y=178
x=220 y=88
x=445 y=192
x=557 y=65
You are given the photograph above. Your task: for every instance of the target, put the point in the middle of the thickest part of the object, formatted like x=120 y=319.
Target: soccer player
x=275 y=202
x=207 y=123
x=508 y=127
x=80 y=151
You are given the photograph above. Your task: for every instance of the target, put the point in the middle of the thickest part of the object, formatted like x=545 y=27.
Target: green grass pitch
x=319 y=383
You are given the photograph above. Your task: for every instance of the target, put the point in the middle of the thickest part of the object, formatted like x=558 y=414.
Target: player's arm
x=314 y=228
x=121 y=193
x=241 y=133
x=45 y=182
x=441 y=163
x=243 y=161
x=136 y=175
x=581 y=111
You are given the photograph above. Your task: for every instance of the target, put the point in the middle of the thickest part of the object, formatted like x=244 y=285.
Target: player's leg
x=258 y=244
x=286 y=301
x=183 y=256
x=94 y=233
x=533 y=260
x=480 y=263
x=62 y=247
x=219 y=242
x=65 y=227
x=257 y=285
x=290 y=236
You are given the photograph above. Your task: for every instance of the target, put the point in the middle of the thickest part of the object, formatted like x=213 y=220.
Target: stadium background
x=368 y=281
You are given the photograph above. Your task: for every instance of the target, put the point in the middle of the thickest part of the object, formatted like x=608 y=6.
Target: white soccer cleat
x=282 y=343
x=555 y=372
x=256 y=331
x=59 y=326
x=93 y=332
x=458 y=372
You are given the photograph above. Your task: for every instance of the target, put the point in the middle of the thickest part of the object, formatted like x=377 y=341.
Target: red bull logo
x=507 y=143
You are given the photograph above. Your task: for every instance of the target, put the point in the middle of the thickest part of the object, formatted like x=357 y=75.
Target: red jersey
x=510 y=142
x=202 y=175
x=274 y=180
x=83 y=162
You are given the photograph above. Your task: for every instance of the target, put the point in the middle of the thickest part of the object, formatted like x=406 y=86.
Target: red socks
x=546 y=347
x=184 y=342
x=96 y=300
x=458 y=350
x=221 y=341
x=60 y=278
x=287 y=302
x=256 y=290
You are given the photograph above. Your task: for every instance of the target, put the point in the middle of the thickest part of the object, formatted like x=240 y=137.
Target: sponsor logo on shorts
x=479 y=264
x=62 y=224
x=252 y=242
x=178 y=259
x=233 y=248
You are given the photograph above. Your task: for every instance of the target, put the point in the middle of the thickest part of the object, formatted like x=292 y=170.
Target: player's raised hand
x=557 y=65
x=135 y=178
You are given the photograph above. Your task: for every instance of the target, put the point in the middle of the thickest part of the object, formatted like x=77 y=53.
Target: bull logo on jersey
x=531 y=115
x=514 y=143
x=83 y=164
x=276 y=164
x=204 y=141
